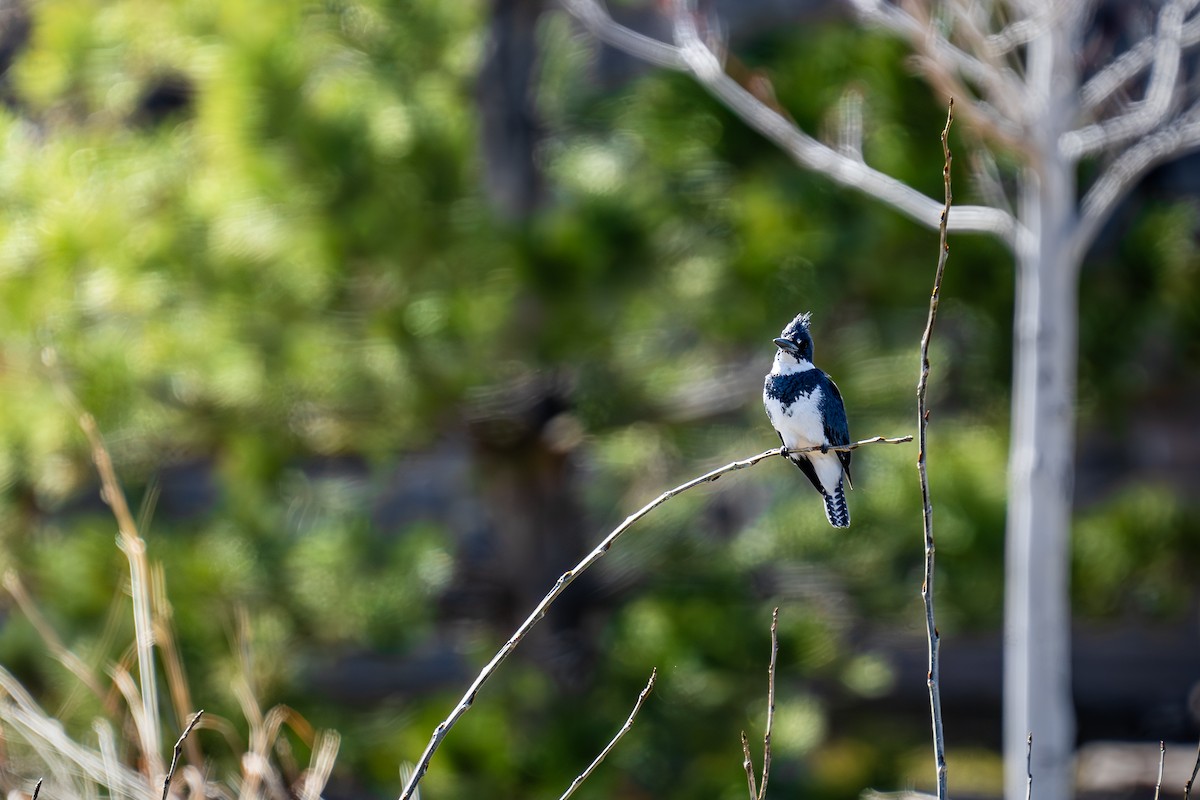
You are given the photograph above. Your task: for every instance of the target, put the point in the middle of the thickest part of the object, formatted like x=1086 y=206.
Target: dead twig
x=637 y=706
x=1029 y=766
x=747 y=761
x=1162 y=757
x=178 y=751
x=568 y=577
x=1187 y=787
x=935 y=697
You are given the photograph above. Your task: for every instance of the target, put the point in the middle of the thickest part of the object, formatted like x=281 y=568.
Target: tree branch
x=935 y=699
x=982 y=68
x=1176 y=139
x=766 y=770
x=568 y=577
x=748 y=765
x=1144 y=115
x=759 y=792
x=1123 y=69
x=698 y=59
x=637 y=706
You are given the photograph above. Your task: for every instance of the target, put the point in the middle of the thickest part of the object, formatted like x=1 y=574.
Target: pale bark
x=1037 y=619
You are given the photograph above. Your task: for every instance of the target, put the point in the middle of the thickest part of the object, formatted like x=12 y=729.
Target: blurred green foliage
x=298 y=263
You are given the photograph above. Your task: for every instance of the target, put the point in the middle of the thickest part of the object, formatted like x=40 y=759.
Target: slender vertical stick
x=766 y=771
x=1029 y=766
x=1187 y=787
x=759 y=792
x=935 y=696
x=1162 y=757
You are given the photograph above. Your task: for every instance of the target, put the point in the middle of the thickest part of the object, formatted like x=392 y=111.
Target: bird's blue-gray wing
x=837 y=429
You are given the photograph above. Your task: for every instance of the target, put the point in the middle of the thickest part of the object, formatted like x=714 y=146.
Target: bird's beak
x=786 y=344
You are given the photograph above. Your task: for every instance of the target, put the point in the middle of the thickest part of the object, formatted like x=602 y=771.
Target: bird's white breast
x=799 y=424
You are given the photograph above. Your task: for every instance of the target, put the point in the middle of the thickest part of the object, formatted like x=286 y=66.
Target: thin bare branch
x=568 y=577
x=1162 y=757
x=748 y=765
x=935 y=699
x=747 y=760
x=1001 y=128
x=1029 y=766
x=637 y=706
x=1187 y=787
x=988 y=181
x=1129 y=65
x=697 y=58
x=1146 y=114
x=1176 y=139
x=999 y=84
x=1014 y=35
x=177 y=752
x=766 y=770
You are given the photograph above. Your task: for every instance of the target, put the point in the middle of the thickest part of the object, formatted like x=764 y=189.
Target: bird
x=806 y=410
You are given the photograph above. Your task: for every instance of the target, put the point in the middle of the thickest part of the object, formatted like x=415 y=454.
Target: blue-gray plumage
x=806 y=410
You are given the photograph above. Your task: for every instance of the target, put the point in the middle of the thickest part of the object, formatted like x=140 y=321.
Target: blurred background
x=389 y=311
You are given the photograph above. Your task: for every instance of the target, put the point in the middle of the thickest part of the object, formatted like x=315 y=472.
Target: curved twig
x=568 y=577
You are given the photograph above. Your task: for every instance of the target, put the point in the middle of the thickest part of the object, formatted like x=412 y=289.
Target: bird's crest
x=798 y=328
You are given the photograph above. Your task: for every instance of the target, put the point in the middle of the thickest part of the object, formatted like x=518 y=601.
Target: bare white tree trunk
x=1037 y=653
x=1037 y=618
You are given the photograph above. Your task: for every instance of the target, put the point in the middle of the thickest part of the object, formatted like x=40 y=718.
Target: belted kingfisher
x=805 y=407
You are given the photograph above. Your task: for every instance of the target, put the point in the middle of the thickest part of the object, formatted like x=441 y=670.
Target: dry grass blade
x=65 y=758
x=140 y=587
x=177 y=752
x=637 y=706
x=324 y=754
x=50 y=637
x=935 y=698
x=164 y=636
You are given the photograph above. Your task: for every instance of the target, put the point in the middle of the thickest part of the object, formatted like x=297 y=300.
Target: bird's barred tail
x=836 y=509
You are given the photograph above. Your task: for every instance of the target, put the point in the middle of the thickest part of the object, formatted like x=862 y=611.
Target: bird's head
x=795 y=342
